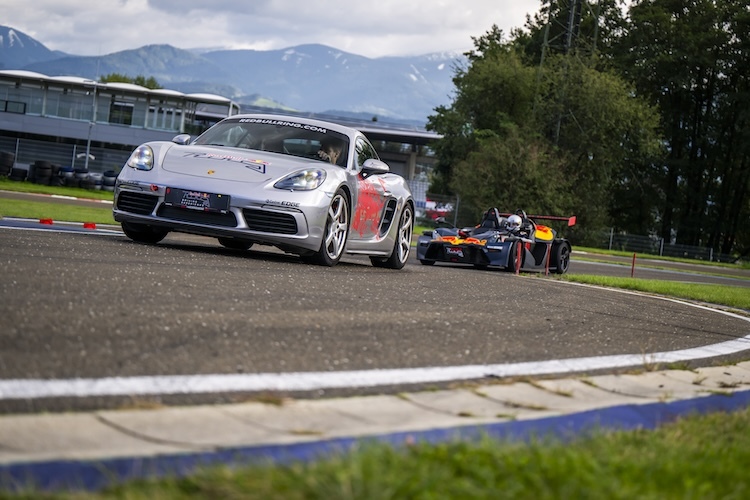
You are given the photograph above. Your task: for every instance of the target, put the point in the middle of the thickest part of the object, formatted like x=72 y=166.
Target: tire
x=335 y=233
x=7 y=159
x=561 y=257
x=513 y=260
x=18 y=174
x=109 y=178
x=235 y=244
x=143 y=233
x=402 y=246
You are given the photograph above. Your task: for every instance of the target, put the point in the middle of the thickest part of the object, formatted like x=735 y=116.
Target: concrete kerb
x=91 y=450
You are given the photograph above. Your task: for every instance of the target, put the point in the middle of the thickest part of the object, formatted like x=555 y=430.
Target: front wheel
x=515 y=259
x=335 y=233
x=143 y=233
x=402 y=246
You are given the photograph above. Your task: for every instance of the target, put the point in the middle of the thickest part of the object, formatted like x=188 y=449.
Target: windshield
x=279 y=136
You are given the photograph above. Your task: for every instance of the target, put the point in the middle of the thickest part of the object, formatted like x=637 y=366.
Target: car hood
x=230 y=164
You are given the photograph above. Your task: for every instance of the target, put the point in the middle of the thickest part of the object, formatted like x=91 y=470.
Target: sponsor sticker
x=292 y=204
x=256 y=165
x=283 y=123
x=454 y=251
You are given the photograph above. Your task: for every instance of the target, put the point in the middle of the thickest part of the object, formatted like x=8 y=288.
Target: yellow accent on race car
x=456 y=240
x=544 y=233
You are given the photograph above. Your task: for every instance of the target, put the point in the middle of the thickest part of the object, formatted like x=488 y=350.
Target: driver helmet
x=514 y=223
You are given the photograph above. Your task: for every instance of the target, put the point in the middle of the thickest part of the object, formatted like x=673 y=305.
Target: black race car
x=514 y=242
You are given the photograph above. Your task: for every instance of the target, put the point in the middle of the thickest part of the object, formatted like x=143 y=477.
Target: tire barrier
x=108 y=180
x=49 y=174
x=18 y=174
x=7 y=160
x=42 y=172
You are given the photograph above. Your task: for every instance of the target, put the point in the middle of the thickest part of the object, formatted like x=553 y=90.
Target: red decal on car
x=369 y=206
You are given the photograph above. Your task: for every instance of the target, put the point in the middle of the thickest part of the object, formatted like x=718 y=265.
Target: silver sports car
x=308 y=187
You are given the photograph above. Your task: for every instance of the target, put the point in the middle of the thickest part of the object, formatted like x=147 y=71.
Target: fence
x=657 y=246
x=28 y=151
x=430 y=206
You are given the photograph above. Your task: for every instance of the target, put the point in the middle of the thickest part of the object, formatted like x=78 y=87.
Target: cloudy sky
x=372 y=29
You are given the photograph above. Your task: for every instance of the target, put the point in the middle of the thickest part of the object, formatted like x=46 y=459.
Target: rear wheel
x=235 y=244
x=143 y=233
x=402 y=246
x=561 y=257
x=335 y=233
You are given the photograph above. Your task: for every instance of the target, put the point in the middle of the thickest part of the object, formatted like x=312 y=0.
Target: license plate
x=196 y=200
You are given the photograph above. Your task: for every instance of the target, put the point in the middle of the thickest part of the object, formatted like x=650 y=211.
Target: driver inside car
x=517 y=226
x=330 y=151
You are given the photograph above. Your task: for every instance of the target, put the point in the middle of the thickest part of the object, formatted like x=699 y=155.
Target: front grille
x=471 y=254
x=137 y=203
x=199 y=217
x=270 y=222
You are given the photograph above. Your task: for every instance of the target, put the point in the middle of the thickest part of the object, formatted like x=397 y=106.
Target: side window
x=365 y=151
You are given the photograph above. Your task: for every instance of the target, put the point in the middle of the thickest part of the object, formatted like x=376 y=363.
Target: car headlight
x=304 y=180
x=142 y=158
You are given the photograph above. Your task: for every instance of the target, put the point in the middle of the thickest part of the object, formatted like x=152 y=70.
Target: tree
x=691 y=59
x=563 y=121
x=609 y=137
x=512 y=168
x=149 y=83
x=565 y=26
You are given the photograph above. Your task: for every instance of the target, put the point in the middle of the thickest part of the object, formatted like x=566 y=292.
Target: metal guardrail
x=658 y=246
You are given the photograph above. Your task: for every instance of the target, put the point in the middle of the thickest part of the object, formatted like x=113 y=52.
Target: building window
x=13 y=107
x=121 y=112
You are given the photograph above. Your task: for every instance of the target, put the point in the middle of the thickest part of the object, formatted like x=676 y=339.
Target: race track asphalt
x=93 y=311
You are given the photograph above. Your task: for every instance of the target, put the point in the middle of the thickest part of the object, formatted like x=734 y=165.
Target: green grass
x=738 y=297
x=30 y=187
x=55 y=211
x=698 y=456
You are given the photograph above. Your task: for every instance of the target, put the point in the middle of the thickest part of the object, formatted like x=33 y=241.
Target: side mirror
x=182 y=139
x=373 y=166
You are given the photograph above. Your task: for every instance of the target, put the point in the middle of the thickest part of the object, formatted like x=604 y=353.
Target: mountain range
x=305 y=78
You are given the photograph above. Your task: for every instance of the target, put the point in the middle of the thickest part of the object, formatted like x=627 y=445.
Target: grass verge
x=30 y=187
x=55 y=211
x=699 y=456
x=737 y=297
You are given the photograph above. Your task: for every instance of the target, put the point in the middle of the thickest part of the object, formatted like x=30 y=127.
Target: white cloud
x=388 y=27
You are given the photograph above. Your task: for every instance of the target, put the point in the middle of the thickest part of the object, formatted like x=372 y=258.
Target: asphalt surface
x=96 y=305
x=117 y=353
